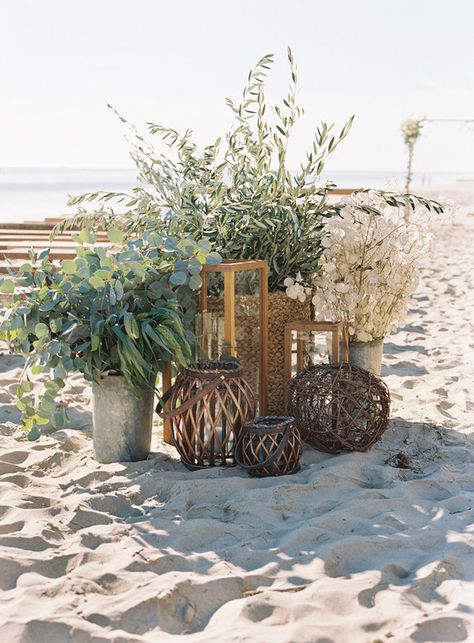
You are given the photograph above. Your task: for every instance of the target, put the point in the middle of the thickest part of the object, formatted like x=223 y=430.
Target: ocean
x=35 y=193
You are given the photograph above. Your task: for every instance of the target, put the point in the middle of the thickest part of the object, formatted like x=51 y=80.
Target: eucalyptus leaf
x=195 y=282
x=178 y=278
x=68 y=266
x=125 y=312
x=115 y=235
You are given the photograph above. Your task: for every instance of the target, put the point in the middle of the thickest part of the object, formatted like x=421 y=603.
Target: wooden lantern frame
x=339 y=344
x=229 y=268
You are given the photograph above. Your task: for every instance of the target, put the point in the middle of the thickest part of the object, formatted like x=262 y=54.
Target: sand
x=352 y=548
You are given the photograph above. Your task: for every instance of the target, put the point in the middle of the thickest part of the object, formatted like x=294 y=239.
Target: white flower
x=326 y=242
x=292 y=292
x=295 y=289
x=302 y=296
x=370 y=265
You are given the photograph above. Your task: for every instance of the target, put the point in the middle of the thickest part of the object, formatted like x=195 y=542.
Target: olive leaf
x=237 y=192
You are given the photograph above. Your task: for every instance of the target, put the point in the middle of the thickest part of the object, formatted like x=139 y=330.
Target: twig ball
x=339 y=407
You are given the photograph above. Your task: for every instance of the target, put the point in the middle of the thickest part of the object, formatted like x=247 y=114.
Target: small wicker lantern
x=269 y=446
x=207 y=407
x=339 y=407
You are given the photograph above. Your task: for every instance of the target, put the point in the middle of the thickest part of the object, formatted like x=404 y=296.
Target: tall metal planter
x=122 y=419
x=367 y=355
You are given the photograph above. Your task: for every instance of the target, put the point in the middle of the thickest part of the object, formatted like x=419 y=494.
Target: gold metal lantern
x=234 y=319
x=316 y=342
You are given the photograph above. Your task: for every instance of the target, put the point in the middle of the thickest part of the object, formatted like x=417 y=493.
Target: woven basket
x=281 y=309
x=339 y=407
x=207 y=407
x=269 y=446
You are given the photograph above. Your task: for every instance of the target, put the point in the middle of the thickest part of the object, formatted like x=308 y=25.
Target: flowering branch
x=411 y=131
x=370 y=262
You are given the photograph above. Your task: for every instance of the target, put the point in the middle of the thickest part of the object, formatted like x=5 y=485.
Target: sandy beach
x=353 y=548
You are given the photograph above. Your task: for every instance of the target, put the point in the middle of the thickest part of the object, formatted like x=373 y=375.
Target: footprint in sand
x=444 y=629
x=6 y=467
x=35 y=502
x=445 y=406
x=14 y=457
x=31 y=543
x=18 y=479
x=8 y=528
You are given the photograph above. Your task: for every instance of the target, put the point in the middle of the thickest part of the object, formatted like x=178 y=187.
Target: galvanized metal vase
x=367 y=355
x=122 y=420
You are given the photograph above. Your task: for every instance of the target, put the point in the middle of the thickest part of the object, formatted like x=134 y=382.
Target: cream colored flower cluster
x=370 y=265
x=295 y=289
x=411 y=130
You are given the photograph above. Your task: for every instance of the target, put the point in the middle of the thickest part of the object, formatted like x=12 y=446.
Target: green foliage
x=237 y=192
x=404 y=202
x=121 y=311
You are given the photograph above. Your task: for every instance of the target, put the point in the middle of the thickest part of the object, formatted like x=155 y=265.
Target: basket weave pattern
x=273 y=441
x=206 y=430
x=339 y=407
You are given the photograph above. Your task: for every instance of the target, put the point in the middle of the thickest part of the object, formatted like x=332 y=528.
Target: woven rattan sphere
x=339 y=407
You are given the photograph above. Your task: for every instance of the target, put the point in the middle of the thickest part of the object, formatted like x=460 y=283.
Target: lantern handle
x=165 y=415
x=271 y=458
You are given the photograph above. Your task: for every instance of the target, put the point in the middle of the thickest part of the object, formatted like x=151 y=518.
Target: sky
x=174 y=62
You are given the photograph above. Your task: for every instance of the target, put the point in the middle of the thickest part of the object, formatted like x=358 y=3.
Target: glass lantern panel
x=308 y=348
x=247 y=325
x=211 y=329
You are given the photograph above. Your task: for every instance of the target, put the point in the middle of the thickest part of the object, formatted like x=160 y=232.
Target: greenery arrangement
x=122 y=310
x=237 y=192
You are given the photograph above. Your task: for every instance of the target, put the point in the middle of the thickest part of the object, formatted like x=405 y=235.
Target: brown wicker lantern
x=269 y=446
x=339 y=406
x=234 y=318
x=207 y=407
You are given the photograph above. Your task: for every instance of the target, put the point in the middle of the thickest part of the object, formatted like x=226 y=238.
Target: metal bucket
x=122 y=420
x=367 y=355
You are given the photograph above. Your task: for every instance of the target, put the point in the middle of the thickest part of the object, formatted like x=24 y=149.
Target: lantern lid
x=212 y=369
x=236 y=265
